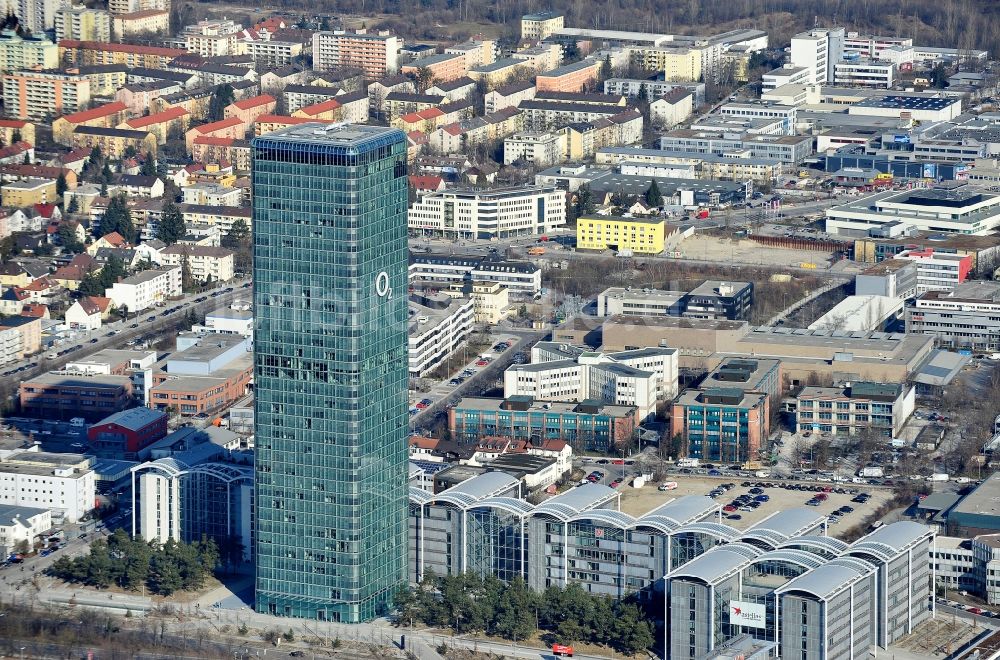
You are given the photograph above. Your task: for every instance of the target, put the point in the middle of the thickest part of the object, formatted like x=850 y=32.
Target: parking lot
x=501 y=344
x=780 y=496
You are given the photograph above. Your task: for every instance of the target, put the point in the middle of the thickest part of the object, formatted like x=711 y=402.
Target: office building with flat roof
x=63 y=395
x=859 y=407
x=726 y=424
x=521 y=278
x=498 y=213
x=588 y=425
x=957 y=210
x=64 y=484
x=330 y=373
x=711 y=299
x=646 y=378
x=967 y=317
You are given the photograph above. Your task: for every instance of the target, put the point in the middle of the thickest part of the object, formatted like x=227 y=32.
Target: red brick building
x=124 y=433
x=63 y=396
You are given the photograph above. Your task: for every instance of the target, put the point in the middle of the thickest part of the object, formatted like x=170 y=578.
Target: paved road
x=484 y=378
x=115 y=335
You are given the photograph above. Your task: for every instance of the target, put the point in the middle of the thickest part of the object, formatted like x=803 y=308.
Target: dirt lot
x=638 y=501
x=749 y=252
x=937 y=638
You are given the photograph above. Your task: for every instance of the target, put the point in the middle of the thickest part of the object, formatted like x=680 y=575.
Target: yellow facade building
x=491 y=302
x=541 y=24
x=678 y=63
x=639 y=235
x=22 y=194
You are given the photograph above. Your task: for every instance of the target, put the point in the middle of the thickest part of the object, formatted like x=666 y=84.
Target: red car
x=618 y=461
x=481 y=363
x=729 y=508
x=822 y=497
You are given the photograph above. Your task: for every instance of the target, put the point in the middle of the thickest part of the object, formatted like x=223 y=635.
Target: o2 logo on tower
x=382 y=288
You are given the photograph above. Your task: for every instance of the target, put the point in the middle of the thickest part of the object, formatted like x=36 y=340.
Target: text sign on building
x=746 y=614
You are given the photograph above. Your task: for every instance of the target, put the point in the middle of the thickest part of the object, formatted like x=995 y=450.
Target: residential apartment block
x=509 y=96
x=17 y=52
x=31 y=94
x=114 y=142
x=145 y=289
x=206 y=263
x=539 y=25
x=438 y=325
x=73 y=51
x=128 y=6
x=82 y=23
x=538 y=149
x=376 y=54
x=147 y=21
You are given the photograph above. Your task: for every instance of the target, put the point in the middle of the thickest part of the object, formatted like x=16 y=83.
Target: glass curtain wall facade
x=330 y=367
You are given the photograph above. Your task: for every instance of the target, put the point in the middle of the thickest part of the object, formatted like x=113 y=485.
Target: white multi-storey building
x=11 y=345
x=871 y=46
x=786 y=75
x=22 y=524
x=966 y=317
x=539 y=149
x=785 y=113
x=520 y=278
x=145 y=289
x=560 y=372
x=864 y=73
x=938 y=271
x=206 y=263
x=132 y=6
x=61 y=483
x=438 y=325
x=939 y=210
x=159 y=511
x=37 y=15
x=497 y=213
x=818 y=50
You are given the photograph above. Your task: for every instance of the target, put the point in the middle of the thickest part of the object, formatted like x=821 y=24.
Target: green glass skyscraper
x=330 y=370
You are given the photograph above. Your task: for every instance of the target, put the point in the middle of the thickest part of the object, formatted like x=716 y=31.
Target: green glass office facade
x=330 y=356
